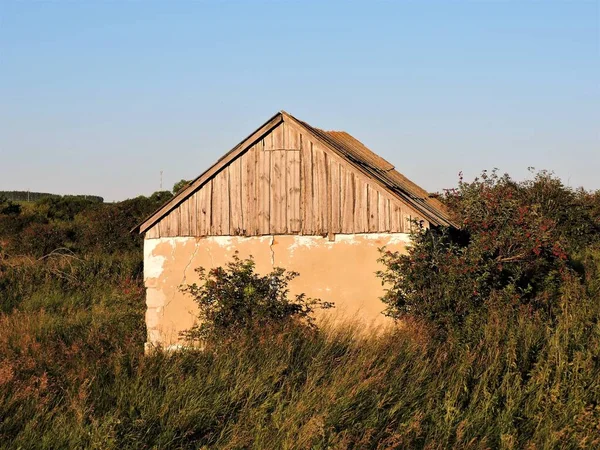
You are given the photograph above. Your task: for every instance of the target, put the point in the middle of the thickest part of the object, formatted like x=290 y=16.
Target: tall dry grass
x=73 y=375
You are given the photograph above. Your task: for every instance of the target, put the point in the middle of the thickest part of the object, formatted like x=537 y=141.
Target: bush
x=7 y=207
x=514 y=250
x=235 y=299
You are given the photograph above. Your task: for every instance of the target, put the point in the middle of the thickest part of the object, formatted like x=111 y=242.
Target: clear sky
x=98 y=97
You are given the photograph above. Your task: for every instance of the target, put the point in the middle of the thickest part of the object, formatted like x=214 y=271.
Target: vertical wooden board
x=188 y=206
x=220 y=204
x=163 y=227
x=168 y=227
x=204 y=205
x=176 y=225
x=336 y=196
x=200 y=214
x=293 y=190
x=283 y=190
x=316 y=205
x=253 y=186
x=320 y=203
x=236 y=223
x=274 y=140
x=372 y=209
x=193 y=211
x=395 y=221
x=361 y=221
x=278 y=138
x=278 y=192
x=215 y=208
x=293 y=167
x=383 y=213
x=226 y=199
x=307 y=191
x=173 y=222
x=244 y=189
x=348 y=200
x=248 y=174
x=291 y=137
x=301 y=155
x=278 y=197
x=184 y=221
x=221 y=198
x=266 y=143
x=263 y=193
x=152 y=233
x=326 y=198
x=390 y=206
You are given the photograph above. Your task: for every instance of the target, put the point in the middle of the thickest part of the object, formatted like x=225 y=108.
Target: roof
x=340 y=142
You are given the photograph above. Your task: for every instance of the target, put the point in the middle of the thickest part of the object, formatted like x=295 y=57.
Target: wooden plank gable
x=286 y=182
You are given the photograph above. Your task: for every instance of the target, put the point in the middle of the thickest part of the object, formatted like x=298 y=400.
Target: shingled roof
x=345 y=145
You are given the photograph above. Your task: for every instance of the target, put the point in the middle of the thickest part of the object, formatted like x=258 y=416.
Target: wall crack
x=272 y=251
x=189 y=263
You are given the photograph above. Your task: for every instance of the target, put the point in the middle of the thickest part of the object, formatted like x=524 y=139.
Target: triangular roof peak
x=340 y=142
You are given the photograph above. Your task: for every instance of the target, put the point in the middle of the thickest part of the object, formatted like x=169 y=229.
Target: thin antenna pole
x=161 y=173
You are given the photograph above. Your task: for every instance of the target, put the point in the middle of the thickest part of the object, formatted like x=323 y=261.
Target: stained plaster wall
x=341 y=271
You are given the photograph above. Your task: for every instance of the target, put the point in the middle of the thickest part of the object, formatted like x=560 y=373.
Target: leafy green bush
x=7 y=207
x=513 y=250
x=234 y=299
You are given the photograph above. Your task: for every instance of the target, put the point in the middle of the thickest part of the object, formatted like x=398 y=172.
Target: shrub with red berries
x=512 y=248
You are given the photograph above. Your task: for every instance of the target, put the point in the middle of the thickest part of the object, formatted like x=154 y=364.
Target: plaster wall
x=341 y=271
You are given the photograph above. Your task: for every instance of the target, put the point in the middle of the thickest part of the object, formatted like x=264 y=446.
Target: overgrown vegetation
x=235 y=300
x=517 y=246
x=504 y=354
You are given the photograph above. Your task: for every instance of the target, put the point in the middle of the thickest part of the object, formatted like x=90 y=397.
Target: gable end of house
x=288 y=177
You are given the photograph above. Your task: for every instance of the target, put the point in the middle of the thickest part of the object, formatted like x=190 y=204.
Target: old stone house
x=293 y=196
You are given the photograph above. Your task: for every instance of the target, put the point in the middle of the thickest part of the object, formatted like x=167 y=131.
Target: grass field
x=73 y=375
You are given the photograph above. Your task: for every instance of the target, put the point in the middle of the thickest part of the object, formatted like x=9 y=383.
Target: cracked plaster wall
x=341 y=271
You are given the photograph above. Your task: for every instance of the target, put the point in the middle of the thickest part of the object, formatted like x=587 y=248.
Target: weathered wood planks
x=286 y=183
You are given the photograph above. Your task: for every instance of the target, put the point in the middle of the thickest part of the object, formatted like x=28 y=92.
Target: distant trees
x=75 y=223
x=179 y=186
x=27 y=196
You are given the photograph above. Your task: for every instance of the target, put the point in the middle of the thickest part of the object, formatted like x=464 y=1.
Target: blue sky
x=99 y=97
